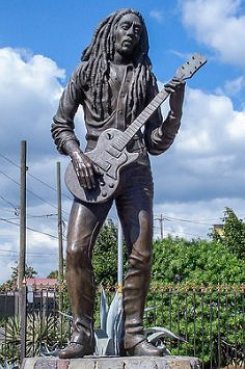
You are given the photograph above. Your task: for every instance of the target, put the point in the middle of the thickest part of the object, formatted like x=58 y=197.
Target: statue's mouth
x=127 y=42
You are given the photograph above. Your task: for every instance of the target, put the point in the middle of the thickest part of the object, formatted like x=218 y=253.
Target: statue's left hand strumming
x=176 y=89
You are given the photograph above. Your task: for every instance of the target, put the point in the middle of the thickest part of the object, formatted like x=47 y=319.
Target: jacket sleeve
x=62 y=128
x=159 y=133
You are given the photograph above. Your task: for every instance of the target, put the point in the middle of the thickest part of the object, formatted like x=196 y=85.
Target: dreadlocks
x=98 y=56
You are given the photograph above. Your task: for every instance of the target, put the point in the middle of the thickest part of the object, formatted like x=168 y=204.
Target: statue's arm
x=62 y=128
x=159 y=134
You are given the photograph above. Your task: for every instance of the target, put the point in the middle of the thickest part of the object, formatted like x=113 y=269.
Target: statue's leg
x=135 y=210
x=84 y=225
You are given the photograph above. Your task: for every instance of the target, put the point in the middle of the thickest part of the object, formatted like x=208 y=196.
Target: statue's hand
x=85 y=169
x=176 y=89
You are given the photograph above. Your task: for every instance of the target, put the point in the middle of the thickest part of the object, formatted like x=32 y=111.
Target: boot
x=144 y=348
x=81 y=288
x=82 y=341
x=134 y=294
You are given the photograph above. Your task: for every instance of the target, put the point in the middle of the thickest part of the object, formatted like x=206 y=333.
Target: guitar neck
x=184 y=72
x=125 y=137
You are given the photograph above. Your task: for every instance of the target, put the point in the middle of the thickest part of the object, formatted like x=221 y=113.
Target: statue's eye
x=125 y=26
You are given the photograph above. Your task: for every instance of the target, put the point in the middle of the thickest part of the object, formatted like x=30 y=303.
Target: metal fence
x=209 y=320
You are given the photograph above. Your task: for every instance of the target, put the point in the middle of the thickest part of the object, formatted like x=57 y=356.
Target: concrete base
x=134 y=362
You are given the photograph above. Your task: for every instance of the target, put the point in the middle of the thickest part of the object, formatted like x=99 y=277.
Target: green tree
x=234 y=233
x=105 y=255
x=187 y=300
x=199 y=262
x=53 y=274
x=30 y=272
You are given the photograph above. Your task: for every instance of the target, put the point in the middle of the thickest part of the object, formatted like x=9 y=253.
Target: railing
x=210 y=320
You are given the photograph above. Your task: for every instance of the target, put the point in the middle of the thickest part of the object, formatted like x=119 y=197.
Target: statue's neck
x=121 y=59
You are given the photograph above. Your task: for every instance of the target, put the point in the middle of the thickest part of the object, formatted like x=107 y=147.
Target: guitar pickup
x=113 y=152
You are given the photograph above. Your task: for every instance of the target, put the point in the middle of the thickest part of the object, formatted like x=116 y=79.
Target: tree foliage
x=187 y=296
x=196 y=262
x=234 y=233
x=105 y=255
x=53 y=274
x=30 y=272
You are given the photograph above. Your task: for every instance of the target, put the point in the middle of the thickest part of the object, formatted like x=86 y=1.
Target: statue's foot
x=144 y=348
x=76 y=350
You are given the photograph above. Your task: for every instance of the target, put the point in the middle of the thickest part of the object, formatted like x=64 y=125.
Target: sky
x=195 y=180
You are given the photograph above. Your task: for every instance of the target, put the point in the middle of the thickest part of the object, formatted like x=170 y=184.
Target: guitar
x=110 y=153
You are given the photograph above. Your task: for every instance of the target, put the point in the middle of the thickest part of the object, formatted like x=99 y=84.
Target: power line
x=187 y=220
x=9 y=160
x=47 y=185
x=16 y=211
x=170 y=218
x=10 y=178
x=8 y=210
x=35 y=216
x=8 y=202
x=34 y=177
x=29 y=228
x=32 y=192
x=29 y=253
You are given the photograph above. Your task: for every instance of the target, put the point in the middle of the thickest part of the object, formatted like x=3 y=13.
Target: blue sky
x=202 y=173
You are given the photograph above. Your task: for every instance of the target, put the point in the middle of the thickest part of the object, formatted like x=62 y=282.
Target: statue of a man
x=114 y=83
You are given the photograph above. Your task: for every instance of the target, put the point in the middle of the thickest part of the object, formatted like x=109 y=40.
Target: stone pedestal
x=93 y=362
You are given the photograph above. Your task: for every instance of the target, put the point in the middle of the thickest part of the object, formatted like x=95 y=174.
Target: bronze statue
x=114 y=83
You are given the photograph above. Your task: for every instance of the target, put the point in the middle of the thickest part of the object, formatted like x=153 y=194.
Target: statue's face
x=127 y=34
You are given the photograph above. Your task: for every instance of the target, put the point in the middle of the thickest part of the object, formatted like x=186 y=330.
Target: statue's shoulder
x=79 y=75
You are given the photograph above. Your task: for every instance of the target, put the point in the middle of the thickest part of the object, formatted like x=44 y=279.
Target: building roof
x=49 y=282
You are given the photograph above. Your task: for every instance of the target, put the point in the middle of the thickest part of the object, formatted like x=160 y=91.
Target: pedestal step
x=134 y=362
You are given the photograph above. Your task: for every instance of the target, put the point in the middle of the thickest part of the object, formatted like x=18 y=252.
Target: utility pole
x=162 y=225
x=22 y=255
x=161 y=220
x=60 y=233
x=60 y=240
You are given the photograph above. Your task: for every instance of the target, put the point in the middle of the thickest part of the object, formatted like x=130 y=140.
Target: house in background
x=41 y=297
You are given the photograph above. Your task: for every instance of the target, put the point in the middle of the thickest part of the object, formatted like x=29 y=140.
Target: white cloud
x=234 y=86
x=211 y=125
x=206 y=160
x=194 y=219
x=219 y=24
x=157 y=15
x=29 y=94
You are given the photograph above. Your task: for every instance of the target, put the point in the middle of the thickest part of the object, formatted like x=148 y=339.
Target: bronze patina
x=114 y=83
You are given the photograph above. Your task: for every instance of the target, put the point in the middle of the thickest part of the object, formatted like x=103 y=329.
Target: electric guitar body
x=110 y=161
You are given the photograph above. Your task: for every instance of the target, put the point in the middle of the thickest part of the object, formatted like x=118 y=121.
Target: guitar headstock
x=192 y=65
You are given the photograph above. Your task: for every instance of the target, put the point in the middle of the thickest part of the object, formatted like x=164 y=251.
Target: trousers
x=133 y=200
